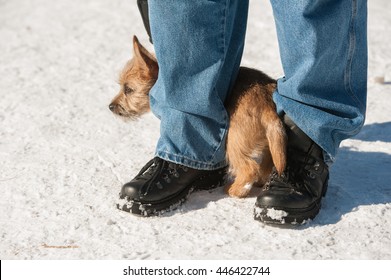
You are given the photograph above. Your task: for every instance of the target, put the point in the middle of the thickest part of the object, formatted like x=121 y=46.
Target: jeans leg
x=198 y=45
x=323 y=46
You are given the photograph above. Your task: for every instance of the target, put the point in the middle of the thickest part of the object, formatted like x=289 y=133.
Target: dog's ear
x=142 y=55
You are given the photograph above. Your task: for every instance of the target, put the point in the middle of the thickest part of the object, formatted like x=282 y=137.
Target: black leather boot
x=162 y=186
x=295 y=196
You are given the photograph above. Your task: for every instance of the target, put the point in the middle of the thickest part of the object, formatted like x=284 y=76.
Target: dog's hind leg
x=247 y=172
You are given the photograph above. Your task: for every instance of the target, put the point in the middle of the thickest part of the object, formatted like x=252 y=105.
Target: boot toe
x=292 y=200
x=131 y=191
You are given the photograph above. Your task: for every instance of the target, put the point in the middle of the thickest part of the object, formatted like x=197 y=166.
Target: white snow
x=276 y=214
x=64 y=156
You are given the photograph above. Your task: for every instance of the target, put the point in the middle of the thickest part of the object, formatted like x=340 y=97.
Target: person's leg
x=323 y=50
x=198 y=46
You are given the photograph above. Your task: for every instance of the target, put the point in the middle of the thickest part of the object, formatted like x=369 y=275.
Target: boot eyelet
x=159 y=185
x=311 y=175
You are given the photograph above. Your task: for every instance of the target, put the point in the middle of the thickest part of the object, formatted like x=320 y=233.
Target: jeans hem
x=192 y=163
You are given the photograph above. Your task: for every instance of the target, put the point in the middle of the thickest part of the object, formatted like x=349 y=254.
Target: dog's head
x=136 y=80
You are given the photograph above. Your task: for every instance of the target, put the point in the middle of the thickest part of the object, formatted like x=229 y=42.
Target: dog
x=256 y=138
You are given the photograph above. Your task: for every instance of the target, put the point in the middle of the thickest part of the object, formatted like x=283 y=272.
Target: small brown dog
x=256 y=137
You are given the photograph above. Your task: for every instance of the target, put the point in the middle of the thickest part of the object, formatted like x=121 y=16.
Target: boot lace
x=157 y=169
x=301 y=168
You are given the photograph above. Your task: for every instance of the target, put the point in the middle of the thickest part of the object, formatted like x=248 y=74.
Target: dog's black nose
x=111 y=107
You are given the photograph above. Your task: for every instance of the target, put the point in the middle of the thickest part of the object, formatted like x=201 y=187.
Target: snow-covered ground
x=64 y=156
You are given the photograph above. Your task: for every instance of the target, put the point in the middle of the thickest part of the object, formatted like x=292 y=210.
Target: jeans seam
x=224 y=30
x=351 y=52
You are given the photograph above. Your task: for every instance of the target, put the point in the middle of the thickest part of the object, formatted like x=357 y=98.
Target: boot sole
x=284 y=216
x=157 y=208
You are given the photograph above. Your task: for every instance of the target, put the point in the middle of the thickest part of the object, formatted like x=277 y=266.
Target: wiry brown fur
x=256 y=136
x=256 y=139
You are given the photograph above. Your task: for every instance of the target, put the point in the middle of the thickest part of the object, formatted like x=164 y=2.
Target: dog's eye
x=128 y=90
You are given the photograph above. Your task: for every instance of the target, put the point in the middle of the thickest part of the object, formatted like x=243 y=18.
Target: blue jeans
x=199 y=45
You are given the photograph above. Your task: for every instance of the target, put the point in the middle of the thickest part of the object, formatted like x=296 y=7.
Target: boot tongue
x=299 y=141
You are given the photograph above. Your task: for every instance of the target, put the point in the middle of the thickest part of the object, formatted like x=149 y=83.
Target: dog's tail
x=277 y=138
